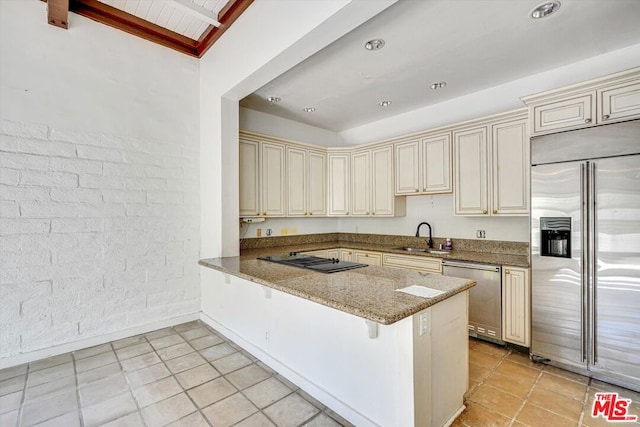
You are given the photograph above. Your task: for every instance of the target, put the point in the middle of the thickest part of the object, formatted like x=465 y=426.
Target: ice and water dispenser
x=555 y=236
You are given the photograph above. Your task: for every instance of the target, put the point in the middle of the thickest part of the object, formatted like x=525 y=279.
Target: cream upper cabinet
x=436 y=164
x=339 y=183
x=510 y=168
x=361 y=184
x=471 y=165
x=408 y=168
x=605 y=100
x=516 y=317
x=619 y=102
x=306 y=182
x=491 y=163
x=372 y=183
x=249 y=177
x=273 y=179
x=423 y=166
x=571 y=113
x=382 y=191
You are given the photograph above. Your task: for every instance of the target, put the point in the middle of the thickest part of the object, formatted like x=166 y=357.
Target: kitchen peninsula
x=377 y=356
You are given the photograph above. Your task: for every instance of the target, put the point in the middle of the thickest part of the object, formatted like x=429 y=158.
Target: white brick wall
x=98 y=233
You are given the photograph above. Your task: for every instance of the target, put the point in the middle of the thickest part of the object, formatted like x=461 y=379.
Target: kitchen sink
x=413 y=249
x=438 y=252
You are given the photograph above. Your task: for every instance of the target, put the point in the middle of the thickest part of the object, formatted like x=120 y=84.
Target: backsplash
x=490 y=246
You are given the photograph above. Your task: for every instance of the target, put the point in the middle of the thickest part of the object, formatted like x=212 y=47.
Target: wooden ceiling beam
x=58 y=13
x=227 y=16
x=131 y=24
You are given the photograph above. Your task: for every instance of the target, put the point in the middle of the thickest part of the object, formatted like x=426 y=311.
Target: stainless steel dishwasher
x=485 y=299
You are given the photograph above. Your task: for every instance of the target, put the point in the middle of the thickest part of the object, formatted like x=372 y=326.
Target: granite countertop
x=368 y=292
x=458 y=255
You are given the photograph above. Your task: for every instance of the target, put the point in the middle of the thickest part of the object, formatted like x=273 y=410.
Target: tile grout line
x=126 y=378
x=526 y=398
x=75 y=377
x=23 y=399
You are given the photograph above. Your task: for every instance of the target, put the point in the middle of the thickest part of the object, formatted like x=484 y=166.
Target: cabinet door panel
x=566 y=114
x=510 y=151
x=249 y=178
x=317 y=184
x=296 y=182
x=382 y=183
x=470 y=185
x=515 y=306
x=360 y=184
x=273 y=179
x=436 y=174
x=408 y=165
x=370 y=258
x=621 y=102
x=339 y=183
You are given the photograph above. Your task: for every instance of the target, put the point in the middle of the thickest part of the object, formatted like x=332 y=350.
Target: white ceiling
x=470 y=44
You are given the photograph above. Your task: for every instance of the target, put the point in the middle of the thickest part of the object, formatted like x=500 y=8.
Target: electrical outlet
x=269 y=232
x=480 y=234
x=258 y=232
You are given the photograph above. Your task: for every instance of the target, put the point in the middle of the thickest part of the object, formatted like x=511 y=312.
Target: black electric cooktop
x=323 y=265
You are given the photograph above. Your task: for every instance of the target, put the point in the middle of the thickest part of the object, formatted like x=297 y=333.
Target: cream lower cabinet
x=423 y=166
x=323 y=253
x=491 y=163
x=339 y=165
x=516 y=317
x=367 y=257
x=345 y=254
x=413 y=262
x=306 y=182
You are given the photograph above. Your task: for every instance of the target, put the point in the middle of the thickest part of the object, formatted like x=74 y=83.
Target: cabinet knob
x=424 y=190
x=507 y=272
x=484 y=211
x=373 y=213
x=264 y=213
x=347 y=213
x=310 y=213
x=605 y=117
x=367 y=213
x=495 y=211
x=417 y=191
x=587 y=121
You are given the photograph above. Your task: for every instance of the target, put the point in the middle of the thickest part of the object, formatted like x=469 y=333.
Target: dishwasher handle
x=472 y=266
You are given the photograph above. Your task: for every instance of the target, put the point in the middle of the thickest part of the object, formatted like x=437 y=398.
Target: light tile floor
x=507 y=389
x=191 y=376
x=187 y=375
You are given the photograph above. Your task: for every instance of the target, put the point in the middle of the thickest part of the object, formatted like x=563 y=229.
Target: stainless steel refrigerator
x=585 y=251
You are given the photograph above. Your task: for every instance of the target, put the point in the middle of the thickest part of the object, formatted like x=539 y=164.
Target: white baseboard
x=344 y=410
x=31 y=356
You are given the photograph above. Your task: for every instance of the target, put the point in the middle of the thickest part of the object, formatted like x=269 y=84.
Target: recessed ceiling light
x=384 y=103
x=273 y=99
x=438 y=85
x=375 y=44
x=545 y=9
x=309 y=109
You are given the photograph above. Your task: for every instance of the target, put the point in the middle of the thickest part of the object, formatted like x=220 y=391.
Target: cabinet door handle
x=605 y=117
x=587 y=121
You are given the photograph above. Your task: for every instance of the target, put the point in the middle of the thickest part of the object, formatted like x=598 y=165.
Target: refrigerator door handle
x=583 y=261
x=592 y=263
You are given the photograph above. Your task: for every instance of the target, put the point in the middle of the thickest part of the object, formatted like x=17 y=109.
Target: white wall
x=437 y=210
x=268 y=124
x=99 y=192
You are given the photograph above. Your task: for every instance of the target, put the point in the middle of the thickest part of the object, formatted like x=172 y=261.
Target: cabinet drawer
x=621 y=102
x=419 y=263
x=366 y=257
x=563 y=115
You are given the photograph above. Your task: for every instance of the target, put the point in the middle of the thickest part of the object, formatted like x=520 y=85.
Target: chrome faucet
x=430 y=241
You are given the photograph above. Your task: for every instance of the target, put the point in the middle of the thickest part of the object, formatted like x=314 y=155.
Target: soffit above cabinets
x=188 y=26
x=469 y=44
